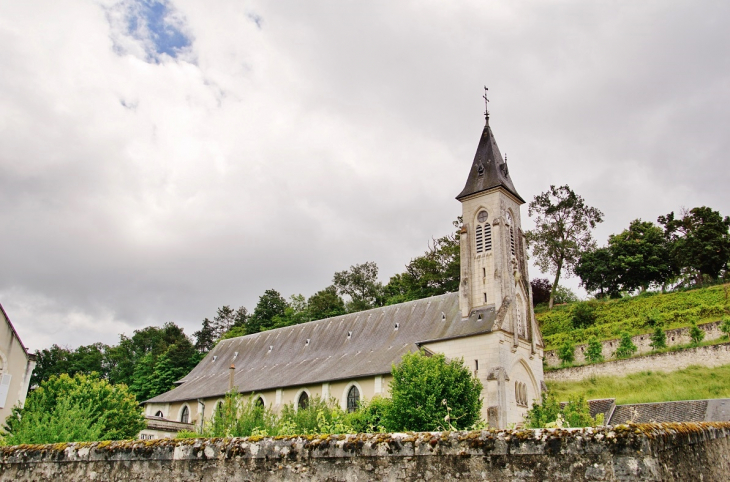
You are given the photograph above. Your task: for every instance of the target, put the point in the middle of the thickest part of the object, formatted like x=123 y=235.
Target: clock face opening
x=482 y=216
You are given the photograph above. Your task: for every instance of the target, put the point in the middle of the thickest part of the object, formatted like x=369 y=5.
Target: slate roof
x=712 y=410
x=344 y=347
x=488 y=170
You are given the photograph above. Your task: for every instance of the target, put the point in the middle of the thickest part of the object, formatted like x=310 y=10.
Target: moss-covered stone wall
x=655 y=452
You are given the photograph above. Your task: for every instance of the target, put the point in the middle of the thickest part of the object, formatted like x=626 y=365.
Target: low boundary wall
x=647 y=452
x=706 y=356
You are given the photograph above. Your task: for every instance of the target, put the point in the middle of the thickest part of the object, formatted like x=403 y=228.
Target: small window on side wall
x=303 y=401
x=159 y=414
x=353 y=399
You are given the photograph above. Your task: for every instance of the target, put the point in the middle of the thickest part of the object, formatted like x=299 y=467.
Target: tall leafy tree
x=597 y=272
x=700 y=241
x=57 y=360
x=540 y=290
x=563 y=225
x=360 y=283
x=326 y=303
x=205 y=337
x=270 y=305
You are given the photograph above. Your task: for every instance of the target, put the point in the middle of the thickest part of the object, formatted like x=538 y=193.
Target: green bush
x=75 y=409
x=318 y=417
x=564 y=295
x=239 y=417
x=423 y=390
x=658 y=339
x=566 y=352
x=594 y=353
x=370 y=417
x=583 y=314
x=725 y=326
x=548 y=413
x=696 y=334
x=626 y=346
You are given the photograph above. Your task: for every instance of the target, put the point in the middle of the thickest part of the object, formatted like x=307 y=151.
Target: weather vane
x=486 y=103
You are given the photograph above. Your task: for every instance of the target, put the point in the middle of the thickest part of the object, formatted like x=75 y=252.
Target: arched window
x=487 y=237
x=185 y=415
x=480 y=238
x=521 y=394
x=159 y=414
x=303 y=401
x=260 y=402
x=353 y=399
x=510 y=223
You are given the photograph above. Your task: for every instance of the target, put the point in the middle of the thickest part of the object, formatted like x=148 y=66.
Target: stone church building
x=489 y=323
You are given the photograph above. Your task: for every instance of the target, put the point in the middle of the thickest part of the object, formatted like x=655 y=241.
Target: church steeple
x=489 y=170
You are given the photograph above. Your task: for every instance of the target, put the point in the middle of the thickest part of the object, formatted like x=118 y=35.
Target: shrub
x=658 y=339
x=566 y=352
x=594 y=353
x=419 y=388
x=237 y=417
x=370 y=417
x=583 y=314
x=75 y=409
x=318 y=417
x=575 y=413
x=564 y=295
x=725 y=326
x=541 y=288
x=626 y=346
x=696 y=334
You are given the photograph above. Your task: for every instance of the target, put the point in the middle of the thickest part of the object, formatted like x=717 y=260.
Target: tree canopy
x=563 y=225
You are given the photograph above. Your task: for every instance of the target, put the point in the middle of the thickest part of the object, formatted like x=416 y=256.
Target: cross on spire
x=486 y=103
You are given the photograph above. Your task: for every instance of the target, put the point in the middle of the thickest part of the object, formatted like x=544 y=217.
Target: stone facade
x=708 y=356
x=649 y=452
x=676 y=336
x=16 y=367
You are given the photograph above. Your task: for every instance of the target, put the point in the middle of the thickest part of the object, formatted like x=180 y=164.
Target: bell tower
x=494 y=280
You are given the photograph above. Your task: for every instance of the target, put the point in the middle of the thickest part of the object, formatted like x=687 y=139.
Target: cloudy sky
x=159 y=159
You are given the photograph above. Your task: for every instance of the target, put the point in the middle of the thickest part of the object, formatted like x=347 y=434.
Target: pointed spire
x=488 y=170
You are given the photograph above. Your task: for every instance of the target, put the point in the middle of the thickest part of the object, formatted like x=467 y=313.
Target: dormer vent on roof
x=397 y=325
x=235 y=355
x=307 y=343
x=349 y=335
x=271 y=347
x=443 y=316
x=215 y=357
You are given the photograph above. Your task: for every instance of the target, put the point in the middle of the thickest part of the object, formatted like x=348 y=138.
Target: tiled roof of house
x=344 y=347
x=713 y=410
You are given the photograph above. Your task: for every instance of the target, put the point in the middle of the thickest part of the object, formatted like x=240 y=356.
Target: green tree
x=435 y=273
x=419 y=388
x=270 y=305
x=575 y=413
x=696 y=333
x=564 y=295
x=598 y=273
x=626 y=346
x=640 y=256
x=563 y=224
x=700 y=241
x=57 y=360
x=360 y=283
x=79 y=408
x=542 y=413
x=296 y=312
x=326 y=303
x=658 y=339
x=583 y=314
x=566 y=352
x=205 y=338
x=594 y=353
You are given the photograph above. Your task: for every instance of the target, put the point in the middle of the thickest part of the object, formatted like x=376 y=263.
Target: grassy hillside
x=639 y=314
x=693 y=383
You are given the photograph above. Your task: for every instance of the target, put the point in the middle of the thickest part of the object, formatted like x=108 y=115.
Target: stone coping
x=629 y=439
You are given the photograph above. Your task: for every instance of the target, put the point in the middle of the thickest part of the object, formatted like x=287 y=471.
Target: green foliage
x=696 y=334
x=360 y=283
x=563 y=224
x=693 y=383
x=626 y=346
x=575 y=413
x=419 y=387
x=326 y=303
x=566 y=352
x=597 y=273
x=564 y=295
x=239 y=417
x=594 y=353
x=435 y=273
x=725 y=326
x=700 y=241
x=271 y=304
x=84 y=406
x=658 y=339
x=583 y=314
x=205 y=337
x=371 y=416
x=57 y=360
x=636 y=315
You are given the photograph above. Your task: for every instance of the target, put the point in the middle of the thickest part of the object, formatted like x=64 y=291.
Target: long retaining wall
x=707 y=356
x=649 y=452
x=676 y=336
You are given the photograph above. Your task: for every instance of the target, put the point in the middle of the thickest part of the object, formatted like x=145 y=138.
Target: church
x=489 y=323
